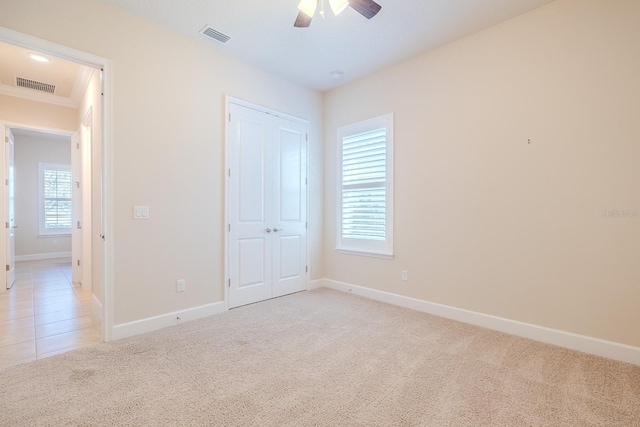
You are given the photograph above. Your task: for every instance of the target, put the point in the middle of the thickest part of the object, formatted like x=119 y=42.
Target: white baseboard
x=315 y=284
x=150 y=324
x=38 y=257
x=585 y=344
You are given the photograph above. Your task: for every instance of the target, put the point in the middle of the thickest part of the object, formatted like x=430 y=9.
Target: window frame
x=42 y=230
x=364 y=247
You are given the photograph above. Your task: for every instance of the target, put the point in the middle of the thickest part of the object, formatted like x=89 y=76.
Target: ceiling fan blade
x=366 y=8
x=302 y=21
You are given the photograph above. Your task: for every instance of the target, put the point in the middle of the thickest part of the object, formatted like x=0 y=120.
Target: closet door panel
x=290 y=203
x=250 y=207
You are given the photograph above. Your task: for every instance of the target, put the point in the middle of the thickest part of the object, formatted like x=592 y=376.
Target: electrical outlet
x=180 y=285
x=404 y=275
x=54 y=242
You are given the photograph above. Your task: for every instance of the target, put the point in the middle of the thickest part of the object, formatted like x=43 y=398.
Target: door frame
x=106 y=174
x=227 y=119
x=86 y=187
x=4 y=125
x=8 y=242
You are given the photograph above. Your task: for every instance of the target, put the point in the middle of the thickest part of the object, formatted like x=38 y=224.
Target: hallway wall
x=29 y=151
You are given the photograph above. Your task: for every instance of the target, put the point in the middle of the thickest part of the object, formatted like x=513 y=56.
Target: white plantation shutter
x=364 y=168
x=365 y=187
x=55 y=187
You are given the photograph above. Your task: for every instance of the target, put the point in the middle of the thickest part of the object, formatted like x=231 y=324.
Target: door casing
x=8 y=197
x=4 y=126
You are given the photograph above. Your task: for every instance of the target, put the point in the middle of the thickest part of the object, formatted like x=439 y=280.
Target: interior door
x=89 y=195
x=10 y=212
x=267 y=202
x=290 y=196
x=76 y=200
x=250 y=206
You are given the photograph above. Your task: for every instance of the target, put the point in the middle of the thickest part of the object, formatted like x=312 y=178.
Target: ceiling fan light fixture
x=308 y=7
x=366 y=8
x=338 y=6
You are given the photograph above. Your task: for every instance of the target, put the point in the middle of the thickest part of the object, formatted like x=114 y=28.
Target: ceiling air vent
x=32 y=84
x=216 y=35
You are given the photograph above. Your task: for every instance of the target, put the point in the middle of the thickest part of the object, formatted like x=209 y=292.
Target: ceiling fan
x=366 y=8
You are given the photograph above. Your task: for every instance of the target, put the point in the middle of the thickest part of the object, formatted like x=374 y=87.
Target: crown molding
x=37 y=96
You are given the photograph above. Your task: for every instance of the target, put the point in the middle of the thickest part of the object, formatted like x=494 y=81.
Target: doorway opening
x=82 y=272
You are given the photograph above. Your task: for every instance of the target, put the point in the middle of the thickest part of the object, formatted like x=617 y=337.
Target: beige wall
x=22 y=111
x=168 y=144
x=28 y=152
x=487 y=222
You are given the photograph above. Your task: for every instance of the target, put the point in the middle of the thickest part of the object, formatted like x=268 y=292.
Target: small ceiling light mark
x=337 y=74
x=38 y=57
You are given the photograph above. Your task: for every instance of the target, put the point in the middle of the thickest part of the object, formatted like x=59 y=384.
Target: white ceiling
x=262 y=32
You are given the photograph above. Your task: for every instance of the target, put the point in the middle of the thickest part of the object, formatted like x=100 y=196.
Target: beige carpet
x=322 y=358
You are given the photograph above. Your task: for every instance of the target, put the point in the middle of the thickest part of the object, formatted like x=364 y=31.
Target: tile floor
x=44 y=313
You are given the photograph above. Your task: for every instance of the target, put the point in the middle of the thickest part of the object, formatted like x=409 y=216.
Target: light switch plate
x=141 y=212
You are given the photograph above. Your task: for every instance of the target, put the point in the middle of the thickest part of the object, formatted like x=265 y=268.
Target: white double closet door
x=266 y=205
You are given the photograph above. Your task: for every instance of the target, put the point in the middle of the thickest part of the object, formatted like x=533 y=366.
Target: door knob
x=14 y=226
x=276 y=229
x=268 y=230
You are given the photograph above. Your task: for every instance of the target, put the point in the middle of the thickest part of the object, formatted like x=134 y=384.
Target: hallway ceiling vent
x=32 y=84
x=214 y=34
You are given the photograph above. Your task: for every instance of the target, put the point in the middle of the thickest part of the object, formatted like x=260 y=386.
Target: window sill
x=367 y=254
x=49 y=236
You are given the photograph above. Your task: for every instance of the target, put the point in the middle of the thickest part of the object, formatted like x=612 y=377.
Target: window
x=365 y=193
x=54 y=197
